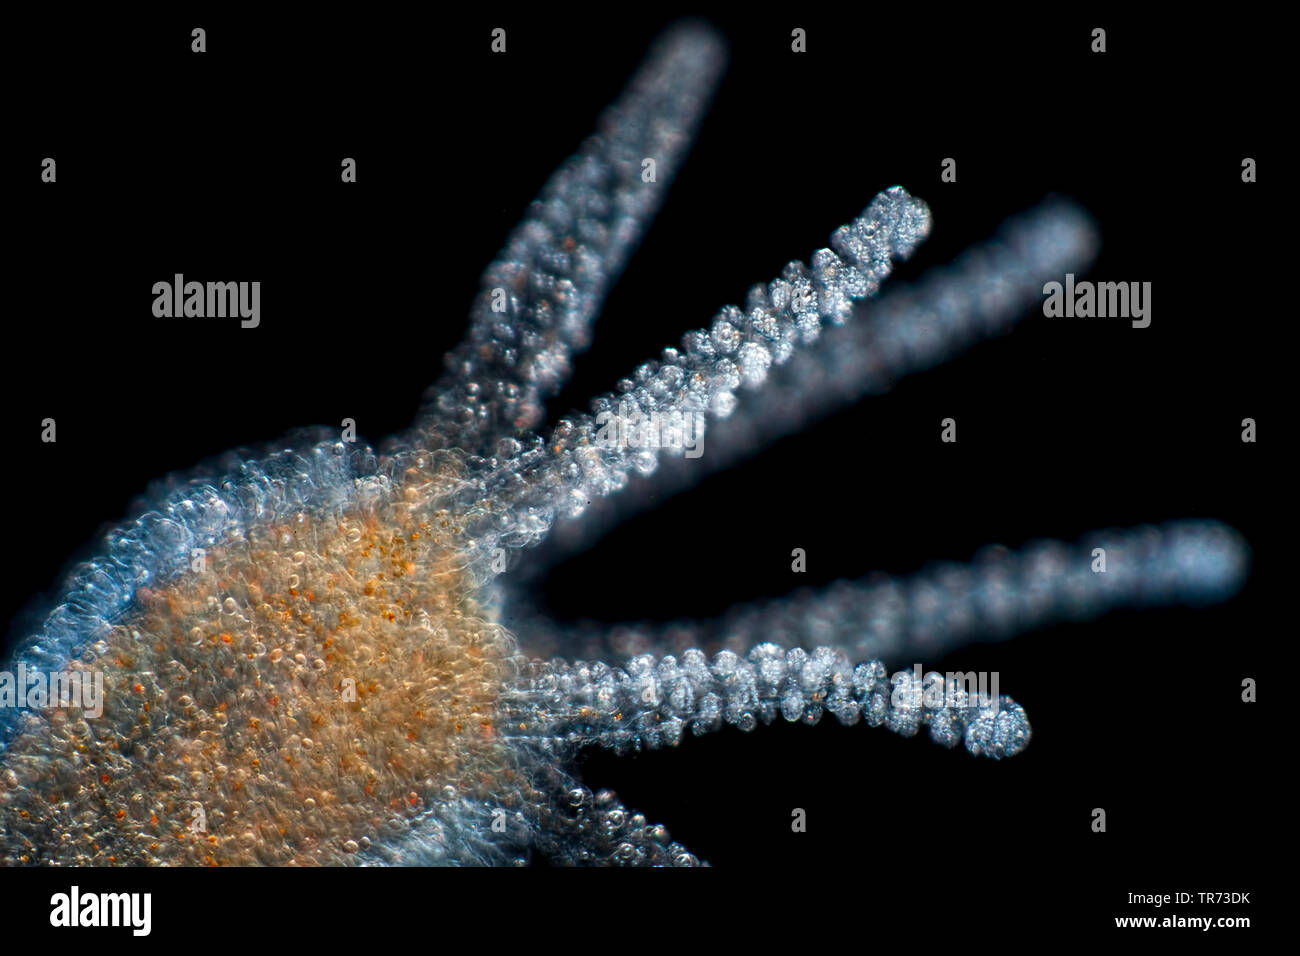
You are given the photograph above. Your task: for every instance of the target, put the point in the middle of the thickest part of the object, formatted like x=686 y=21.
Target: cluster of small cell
x=310 y=687
x=652 y=702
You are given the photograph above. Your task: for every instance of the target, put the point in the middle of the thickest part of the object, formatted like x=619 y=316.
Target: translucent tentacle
x=666 y=402
x=654 y=701
x=1000 y=594
x=983 y=293
x=539 y=299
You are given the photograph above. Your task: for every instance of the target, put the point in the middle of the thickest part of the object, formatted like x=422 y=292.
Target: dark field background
x=225 y=166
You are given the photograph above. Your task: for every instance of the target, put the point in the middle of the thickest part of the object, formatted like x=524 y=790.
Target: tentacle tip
x=912 y=221
x=998 y=732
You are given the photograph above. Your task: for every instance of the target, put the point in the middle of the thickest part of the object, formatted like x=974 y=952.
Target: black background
x=226 y=166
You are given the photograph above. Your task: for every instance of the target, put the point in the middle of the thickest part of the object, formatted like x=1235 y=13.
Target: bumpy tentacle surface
x=540 y=297
x=652 y=701
x=1002 y=593
x=585 y=458
x=983 y=293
